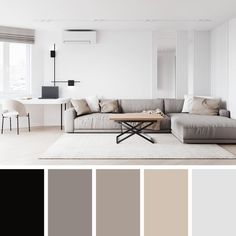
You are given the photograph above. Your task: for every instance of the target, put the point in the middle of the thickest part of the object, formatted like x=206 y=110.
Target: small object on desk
x=50 y=92
x=25 y=98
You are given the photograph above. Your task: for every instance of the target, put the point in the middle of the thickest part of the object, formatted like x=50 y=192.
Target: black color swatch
x=22 y=202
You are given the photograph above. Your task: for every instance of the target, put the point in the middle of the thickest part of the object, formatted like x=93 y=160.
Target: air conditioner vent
x=79 y=36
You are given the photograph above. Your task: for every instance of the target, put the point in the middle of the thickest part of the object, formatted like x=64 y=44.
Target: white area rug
x=103 y=146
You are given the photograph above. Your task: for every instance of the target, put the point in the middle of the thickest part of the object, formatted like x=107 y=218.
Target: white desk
x=37 y=101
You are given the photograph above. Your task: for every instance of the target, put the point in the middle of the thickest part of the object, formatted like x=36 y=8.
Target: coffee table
x=135 y=123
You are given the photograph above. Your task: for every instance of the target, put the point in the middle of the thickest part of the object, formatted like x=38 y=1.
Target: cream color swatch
x=165 y=203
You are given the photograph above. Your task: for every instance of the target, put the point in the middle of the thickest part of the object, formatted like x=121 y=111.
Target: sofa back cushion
x=109 y=106
x=173 y=105
x=140 y=105
x=81 y=106
x=205 y=106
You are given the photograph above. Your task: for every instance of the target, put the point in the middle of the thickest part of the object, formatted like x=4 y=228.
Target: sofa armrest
x=70 y=115
x=224 y=112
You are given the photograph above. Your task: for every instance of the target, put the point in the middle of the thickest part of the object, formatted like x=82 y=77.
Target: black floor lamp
x=53 y=55
x=69 y=82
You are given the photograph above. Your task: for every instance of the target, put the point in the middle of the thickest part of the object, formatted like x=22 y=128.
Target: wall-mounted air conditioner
x=79 y=36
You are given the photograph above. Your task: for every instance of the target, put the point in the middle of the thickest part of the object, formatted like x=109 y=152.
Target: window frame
x=6 y=70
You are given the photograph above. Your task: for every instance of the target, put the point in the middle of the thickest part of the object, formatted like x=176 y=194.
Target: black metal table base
x=131 y=130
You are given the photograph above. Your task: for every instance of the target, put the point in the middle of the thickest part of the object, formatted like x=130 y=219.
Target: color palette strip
x=120 y=197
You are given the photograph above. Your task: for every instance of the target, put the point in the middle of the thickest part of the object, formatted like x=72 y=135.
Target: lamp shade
x=71 y=83
x=53 y=53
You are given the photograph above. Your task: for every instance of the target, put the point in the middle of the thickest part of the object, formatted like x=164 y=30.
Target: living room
x=145 y=53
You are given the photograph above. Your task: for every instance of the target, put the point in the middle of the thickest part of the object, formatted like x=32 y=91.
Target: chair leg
x=17 y=124
x=10 y=124
x=29 y=121
x=2 y=124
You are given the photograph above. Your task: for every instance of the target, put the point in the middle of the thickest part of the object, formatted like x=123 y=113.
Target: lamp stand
x=53 y=55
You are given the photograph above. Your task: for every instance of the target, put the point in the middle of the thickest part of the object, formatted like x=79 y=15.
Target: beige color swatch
x=118 y=203
x=70 y=203
x=165 y=203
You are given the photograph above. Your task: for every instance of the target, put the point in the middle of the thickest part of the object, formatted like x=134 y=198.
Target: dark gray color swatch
x=70 y=203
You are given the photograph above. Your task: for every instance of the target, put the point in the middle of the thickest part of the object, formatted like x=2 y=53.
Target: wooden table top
x=136 y=117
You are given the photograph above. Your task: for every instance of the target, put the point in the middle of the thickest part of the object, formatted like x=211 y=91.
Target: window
x=15 y=68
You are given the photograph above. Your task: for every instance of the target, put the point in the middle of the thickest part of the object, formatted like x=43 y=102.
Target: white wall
x=166 y=74
x=193 y=63
x=190 y=46
x=232 y=67
x=181 y=64
x=118 y=66
x=162 y=41
x=199 y=63
x=223 y=55
x=219 y=62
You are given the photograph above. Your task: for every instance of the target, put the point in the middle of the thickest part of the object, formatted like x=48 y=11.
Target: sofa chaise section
x=190 y=128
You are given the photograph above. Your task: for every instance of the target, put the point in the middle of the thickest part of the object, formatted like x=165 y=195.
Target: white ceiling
x=119 y=14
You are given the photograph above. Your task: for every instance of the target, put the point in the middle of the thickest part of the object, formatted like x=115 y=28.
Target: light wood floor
x=25 y=149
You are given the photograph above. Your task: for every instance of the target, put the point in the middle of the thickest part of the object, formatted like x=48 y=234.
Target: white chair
x=11 y=109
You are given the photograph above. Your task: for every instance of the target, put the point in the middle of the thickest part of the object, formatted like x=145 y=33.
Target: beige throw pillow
x=109 y=106
x=81 y=106
x=205 y=106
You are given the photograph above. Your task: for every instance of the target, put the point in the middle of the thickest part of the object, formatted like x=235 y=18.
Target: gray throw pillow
x=205 y=106
x=109 y=106
x=81 y=106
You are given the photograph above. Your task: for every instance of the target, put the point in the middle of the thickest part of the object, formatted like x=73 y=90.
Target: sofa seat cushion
x=95 y=121
x=166 y=123
x=203 y=128
x=101 y=121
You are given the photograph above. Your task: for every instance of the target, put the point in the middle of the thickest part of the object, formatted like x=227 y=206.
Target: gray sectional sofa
x=188 y=128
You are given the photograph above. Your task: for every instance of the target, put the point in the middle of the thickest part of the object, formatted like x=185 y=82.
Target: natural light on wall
x=15 y=68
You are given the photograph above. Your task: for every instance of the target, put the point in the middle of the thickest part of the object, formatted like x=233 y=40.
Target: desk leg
x=61 y=115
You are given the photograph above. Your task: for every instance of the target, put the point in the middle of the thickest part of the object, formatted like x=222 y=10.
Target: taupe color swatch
x=70 y=203
x=118 y=203
x=165 y=203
